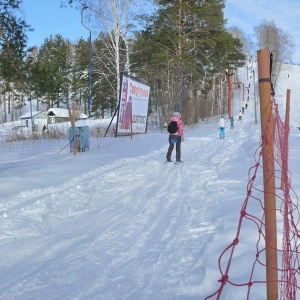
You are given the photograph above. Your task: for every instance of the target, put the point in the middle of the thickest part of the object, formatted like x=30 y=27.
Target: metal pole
x=243 y=92
x=90 y=81
x=181 y=90
x=90 y=62
x=32 y=125
x=267 y=132
x=229 y=94
x=74 y=129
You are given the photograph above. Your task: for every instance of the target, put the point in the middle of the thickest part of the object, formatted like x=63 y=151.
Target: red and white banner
x=133 y=106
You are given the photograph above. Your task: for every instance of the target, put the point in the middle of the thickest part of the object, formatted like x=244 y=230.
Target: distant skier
x=44 y=129
x=222 y=128
x=243 y=109
x=240 y=115
x=246 y=105
x=231 y=123
x=175 y=138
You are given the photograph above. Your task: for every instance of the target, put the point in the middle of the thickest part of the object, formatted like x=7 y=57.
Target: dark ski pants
x=172 y=139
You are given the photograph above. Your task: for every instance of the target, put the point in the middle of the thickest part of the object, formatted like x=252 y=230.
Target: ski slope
x=120 y=223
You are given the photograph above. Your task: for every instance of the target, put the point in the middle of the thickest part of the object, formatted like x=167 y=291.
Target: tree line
x=181 y=48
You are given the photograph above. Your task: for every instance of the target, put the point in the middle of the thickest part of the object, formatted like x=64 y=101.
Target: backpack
x=172 y=127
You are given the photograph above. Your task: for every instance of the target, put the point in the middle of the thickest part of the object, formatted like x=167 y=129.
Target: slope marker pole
x=267 y=132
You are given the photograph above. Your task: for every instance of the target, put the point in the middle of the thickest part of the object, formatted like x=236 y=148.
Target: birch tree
x=111 y=17
x=280 y=44
x=246 y=40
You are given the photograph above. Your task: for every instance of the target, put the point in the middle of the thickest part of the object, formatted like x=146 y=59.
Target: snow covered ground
x=120 y=223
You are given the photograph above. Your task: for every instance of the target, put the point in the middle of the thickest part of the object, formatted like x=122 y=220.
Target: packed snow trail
x=120 y=223
x=132 y=227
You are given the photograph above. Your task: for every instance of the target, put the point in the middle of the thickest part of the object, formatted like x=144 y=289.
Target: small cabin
x=34 y=120
x=59 y=115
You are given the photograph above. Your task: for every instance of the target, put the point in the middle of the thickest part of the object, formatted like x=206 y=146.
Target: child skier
x=231 y=123
x=222 y=128
x=240 y=115
x=175 y=138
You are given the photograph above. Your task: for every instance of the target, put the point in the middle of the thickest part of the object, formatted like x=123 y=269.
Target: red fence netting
x=253 y=215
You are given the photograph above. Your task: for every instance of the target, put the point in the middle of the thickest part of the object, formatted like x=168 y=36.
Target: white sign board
x=133 y=106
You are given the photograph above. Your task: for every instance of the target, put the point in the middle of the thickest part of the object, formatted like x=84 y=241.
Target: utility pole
x=90 y=62
x=229 y=80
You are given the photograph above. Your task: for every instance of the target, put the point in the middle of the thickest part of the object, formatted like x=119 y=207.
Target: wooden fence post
x=267 y=131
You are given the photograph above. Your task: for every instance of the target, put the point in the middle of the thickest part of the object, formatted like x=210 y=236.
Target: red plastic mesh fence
x=252 y=217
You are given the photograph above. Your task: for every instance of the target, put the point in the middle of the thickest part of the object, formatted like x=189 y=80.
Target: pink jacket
x=180 y=125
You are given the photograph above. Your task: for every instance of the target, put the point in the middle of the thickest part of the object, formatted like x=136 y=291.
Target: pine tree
x=54 y=67
x=180 y=44
x=12 y=46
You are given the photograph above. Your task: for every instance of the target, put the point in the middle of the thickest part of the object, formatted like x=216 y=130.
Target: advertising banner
x=133 y=106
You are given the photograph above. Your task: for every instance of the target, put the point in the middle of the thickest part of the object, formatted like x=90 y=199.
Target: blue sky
x=47 y=17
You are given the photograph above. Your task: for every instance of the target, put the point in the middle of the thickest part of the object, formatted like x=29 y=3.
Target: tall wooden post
x=267 y=131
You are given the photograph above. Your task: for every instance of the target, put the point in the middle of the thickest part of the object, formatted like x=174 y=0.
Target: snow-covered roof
x=81 y=123
x=59 y=112
x=64 y=113
x=33 y=114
